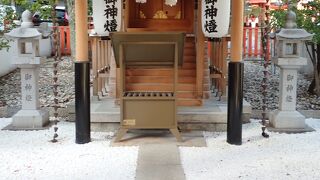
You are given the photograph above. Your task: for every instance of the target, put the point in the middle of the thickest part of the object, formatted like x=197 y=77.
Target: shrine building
x=210 y=41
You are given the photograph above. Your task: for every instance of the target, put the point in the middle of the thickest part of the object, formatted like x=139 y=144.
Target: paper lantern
x=171 y=2
x=106 y=16
x=215 y=17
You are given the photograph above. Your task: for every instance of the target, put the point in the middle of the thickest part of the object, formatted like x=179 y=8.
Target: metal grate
x=148 y=94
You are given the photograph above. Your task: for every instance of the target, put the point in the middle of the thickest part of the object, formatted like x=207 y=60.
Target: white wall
x=5 y=59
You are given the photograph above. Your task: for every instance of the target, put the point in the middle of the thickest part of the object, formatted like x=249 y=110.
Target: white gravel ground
x=30 y=155
x=282 y=156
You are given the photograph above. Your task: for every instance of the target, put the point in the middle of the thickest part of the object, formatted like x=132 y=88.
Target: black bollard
x=235 y=95
x=82 y=95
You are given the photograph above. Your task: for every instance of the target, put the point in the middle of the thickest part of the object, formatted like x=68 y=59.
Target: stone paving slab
x=159 y=162
x=159 y=154
x=159 y=172
x=143 y=137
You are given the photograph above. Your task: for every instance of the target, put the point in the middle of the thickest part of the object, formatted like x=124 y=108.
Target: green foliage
x=42 y=7
x=4 y=43
x=7 y=15
x=256 y=11
x=90 y=7
x=277 y=19
x=252 y=10
x=311 y=19
x=308 y=18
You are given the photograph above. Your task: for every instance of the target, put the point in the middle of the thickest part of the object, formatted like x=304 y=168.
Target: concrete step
x=107 y=111
x=211 y=116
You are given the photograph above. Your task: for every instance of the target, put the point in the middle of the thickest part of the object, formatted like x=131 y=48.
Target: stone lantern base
x=288 y=122
x=30 y=119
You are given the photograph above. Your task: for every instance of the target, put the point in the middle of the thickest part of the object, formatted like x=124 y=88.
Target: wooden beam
x=126 y=16
x=81 y=29
x=200 y=46
x=237 y=30
x=224 y=65
x=94 y=50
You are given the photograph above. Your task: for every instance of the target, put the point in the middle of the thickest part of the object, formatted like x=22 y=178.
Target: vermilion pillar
x=235 y=87
x=82 y=73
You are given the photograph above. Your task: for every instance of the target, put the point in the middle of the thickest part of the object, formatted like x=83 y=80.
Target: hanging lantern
x=215 y=18
x=141 y=1
x=171 y=2
x=106 y=16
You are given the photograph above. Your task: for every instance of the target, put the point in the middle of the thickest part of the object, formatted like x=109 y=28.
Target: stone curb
x=257 y=114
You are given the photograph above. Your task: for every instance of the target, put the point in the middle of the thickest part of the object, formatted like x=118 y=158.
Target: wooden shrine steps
x=160 y=79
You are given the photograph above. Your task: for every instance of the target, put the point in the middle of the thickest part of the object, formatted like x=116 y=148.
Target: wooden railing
x=64 y=39
x=252 y=45
x=218 y=53
x=101 y=57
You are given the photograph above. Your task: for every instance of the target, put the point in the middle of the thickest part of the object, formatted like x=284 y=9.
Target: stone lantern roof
x=297 y=34
x=26 y=30
x=291 y=31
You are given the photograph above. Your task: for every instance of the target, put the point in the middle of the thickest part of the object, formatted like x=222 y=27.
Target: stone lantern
x=30 y=116
x=289 y=43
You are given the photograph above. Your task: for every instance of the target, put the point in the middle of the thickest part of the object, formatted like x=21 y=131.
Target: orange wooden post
x=211 y=60
x=216 y=61
x=220 y=64
x=100 y=56
x=256 y=41
x=224 y=65
x=200 y=44
x=105 y=56
x=250 y=42
x=68 y=40
x=209 y=50
x=64 y=35
x=215 y=53
x=244 y=41
x=94 y=50
x=108 y=62
x=62 y=39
